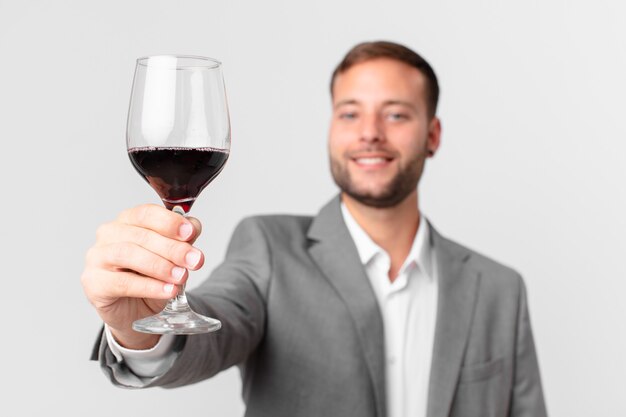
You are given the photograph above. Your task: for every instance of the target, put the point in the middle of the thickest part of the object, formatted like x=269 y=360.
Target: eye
x=397 y=116
x=347 y=115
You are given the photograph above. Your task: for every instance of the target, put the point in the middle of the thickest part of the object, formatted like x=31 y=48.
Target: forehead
x=380 y=79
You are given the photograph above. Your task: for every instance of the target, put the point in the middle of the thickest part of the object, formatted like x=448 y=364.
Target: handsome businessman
x=364 y=310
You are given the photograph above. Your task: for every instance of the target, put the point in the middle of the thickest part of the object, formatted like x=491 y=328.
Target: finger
x=130 y=256
x=159 y=219
x=197 y=229
x=103 y=286
x=177 y=252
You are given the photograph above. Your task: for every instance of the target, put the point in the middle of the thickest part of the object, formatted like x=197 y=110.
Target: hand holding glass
x=178 y=139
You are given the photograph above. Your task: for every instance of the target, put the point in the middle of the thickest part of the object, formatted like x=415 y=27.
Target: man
x=364 y=310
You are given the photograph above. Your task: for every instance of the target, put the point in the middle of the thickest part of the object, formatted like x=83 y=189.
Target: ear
x=434 y=136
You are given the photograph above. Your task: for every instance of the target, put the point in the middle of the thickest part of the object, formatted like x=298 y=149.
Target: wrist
x=131 y=339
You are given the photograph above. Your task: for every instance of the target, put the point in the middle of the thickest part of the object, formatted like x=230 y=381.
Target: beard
x=403 y=183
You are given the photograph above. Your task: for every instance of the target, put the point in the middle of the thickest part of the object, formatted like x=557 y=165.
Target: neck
x=391 y=228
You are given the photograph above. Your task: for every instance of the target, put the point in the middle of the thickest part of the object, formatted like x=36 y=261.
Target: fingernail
x=192 y=258
x=178 y=273
x=185 y=230
x=168 y=288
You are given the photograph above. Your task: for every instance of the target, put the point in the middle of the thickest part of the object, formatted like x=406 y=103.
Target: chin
x=376 y=200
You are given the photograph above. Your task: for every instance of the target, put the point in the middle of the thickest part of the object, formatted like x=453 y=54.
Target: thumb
x=197 y=229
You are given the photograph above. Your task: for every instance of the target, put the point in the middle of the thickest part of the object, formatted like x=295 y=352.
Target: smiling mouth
x=370 y=161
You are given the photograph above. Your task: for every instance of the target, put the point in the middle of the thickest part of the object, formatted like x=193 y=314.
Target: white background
x=530 y=171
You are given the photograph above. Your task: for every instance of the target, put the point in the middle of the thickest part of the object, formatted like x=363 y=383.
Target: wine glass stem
x=179 y=302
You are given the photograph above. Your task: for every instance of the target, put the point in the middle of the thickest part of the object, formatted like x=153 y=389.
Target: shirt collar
x=420 y=253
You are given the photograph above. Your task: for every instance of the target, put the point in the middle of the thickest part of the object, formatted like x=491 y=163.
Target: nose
x=372 y=129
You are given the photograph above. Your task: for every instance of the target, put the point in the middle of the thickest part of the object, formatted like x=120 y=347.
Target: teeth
x=370 y=161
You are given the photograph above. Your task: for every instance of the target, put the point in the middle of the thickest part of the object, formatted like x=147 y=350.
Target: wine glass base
x=177 y=322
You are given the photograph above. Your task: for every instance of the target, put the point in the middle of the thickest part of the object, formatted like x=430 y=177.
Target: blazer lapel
x=336 y=255
x=457 y=296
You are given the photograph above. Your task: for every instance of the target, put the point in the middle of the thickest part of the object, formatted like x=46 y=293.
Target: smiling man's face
x=380 y=133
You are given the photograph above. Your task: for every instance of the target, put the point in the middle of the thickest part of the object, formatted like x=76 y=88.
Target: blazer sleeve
x=235 y=293
x=527 y=395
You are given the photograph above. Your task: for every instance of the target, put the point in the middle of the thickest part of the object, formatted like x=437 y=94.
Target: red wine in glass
x=178 y=174
x=178 y=140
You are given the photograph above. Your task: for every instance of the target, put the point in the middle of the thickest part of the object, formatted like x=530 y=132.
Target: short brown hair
x=367 y=51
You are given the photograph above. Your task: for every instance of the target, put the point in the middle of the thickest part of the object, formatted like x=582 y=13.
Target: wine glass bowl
x=178 y=140
x=178 y=174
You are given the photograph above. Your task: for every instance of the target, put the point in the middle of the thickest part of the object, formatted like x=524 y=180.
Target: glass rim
x=203 y=62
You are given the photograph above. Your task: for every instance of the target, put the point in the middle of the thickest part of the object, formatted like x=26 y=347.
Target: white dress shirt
x=408 y=306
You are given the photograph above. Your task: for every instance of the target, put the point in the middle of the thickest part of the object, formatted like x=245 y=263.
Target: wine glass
x=178 y=139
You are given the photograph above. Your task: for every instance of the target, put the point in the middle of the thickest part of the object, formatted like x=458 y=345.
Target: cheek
x=411 y=139
x=338 y=140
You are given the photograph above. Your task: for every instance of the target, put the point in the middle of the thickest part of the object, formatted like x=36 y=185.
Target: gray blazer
x=303 y=325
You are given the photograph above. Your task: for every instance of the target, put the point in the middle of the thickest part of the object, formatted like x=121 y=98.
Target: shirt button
x=391 y=360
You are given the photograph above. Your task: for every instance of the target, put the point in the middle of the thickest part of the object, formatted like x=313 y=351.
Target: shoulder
x=491 y=267
x=258 y=237
x=492 y=272
x=501 y=288
x=277 y=226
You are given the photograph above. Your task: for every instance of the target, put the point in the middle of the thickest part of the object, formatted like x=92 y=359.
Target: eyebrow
x=385 y=103
x=345 y=103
